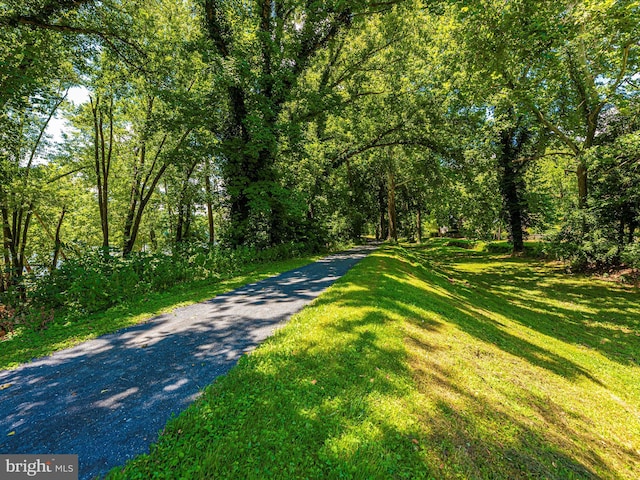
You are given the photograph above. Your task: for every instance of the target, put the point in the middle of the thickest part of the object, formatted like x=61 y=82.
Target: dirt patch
x=624 y=275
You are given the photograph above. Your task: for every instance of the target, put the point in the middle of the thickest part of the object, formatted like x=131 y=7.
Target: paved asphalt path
x=107 y=399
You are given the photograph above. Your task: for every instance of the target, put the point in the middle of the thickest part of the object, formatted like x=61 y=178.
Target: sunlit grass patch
x=531 y=368
x=415 y=365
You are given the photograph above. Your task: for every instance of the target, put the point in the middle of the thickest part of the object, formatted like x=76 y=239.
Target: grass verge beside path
x=24 y=345
x=427 y=362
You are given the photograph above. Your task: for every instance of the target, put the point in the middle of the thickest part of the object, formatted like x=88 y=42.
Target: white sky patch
x=58 y=124
x=78 y=95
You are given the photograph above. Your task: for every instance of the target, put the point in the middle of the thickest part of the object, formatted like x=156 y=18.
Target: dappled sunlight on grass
x=565 y=425
x=428 y=362
x=410 y=280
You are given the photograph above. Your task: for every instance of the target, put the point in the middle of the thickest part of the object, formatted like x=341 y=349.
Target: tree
x=103 y=153
x=513 y=140
x=566 y=61
x=19 y=186
x=265 y=51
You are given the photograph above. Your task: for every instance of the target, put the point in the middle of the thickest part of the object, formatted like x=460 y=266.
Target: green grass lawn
x=428 y=361
x=65 y=331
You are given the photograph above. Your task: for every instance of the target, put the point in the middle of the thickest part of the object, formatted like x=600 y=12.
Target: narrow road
x=107 y=399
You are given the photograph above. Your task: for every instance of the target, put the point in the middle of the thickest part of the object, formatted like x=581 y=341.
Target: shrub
x=586 y=244
x=99 y=279
x=466 y=244
x=499 y=247
x=631 y=255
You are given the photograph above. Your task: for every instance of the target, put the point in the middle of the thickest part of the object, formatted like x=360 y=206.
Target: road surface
x=107 y=399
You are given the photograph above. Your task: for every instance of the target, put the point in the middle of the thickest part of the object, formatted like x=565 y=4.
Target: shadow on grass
x=464 y=308
x=306 y=413
x=334 y=396
x=605 y=318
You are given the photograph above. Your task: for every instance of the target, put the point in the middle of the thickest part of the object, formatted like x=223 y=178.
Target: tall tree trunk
x=19 y=237
x=513 y=209
x=102 y=163
x=212 y=231
x=134 y=227
x=391 y=205
x=515 y=221
x=137 y=182
x=179 y=222
x=57 y=242
x=144 y=184
x=383 y=226
x=238 y=168
x=23 y=240
x=142 y=191
x=51 y=235
x=10 y=245
x=6 y=245
x=511 y=168
x=153 y=239
x=581 y=172
x=509 y=183
x=184 y=205
x=419 y=224
x=129 y=241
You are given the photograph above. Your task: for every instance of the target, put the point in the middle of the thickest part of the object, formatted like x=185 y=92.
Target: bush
x=99 y=279
x=586 y=244
x=535 y=249
x=7 y=319
x=498 y=247
x=631 y=255
x=31 y=318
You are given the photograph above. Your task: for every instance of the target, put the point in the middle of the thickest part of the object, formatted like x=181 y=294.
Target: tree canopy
x=271 y=122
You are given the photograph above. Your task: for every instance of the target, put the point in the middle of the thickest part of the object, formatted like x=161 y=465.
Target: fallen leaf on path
x=5 y=385
x=13 y=432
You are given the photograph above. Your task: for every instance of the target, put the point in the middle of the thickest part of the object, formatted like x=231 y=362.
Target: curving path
x=107 y=399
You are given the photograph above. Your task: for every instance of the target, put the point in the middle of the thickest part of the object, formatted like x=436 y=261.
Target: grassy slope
x=24 y=345
x=427 y=362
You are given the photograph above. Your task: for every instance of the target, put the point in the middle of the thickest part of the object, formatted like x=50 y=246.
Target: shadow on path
x=107 y=399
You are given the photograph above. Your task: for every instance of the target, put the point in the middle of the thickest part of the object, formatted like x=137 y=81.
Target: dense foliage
x=96 y=281
x=137 y=127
